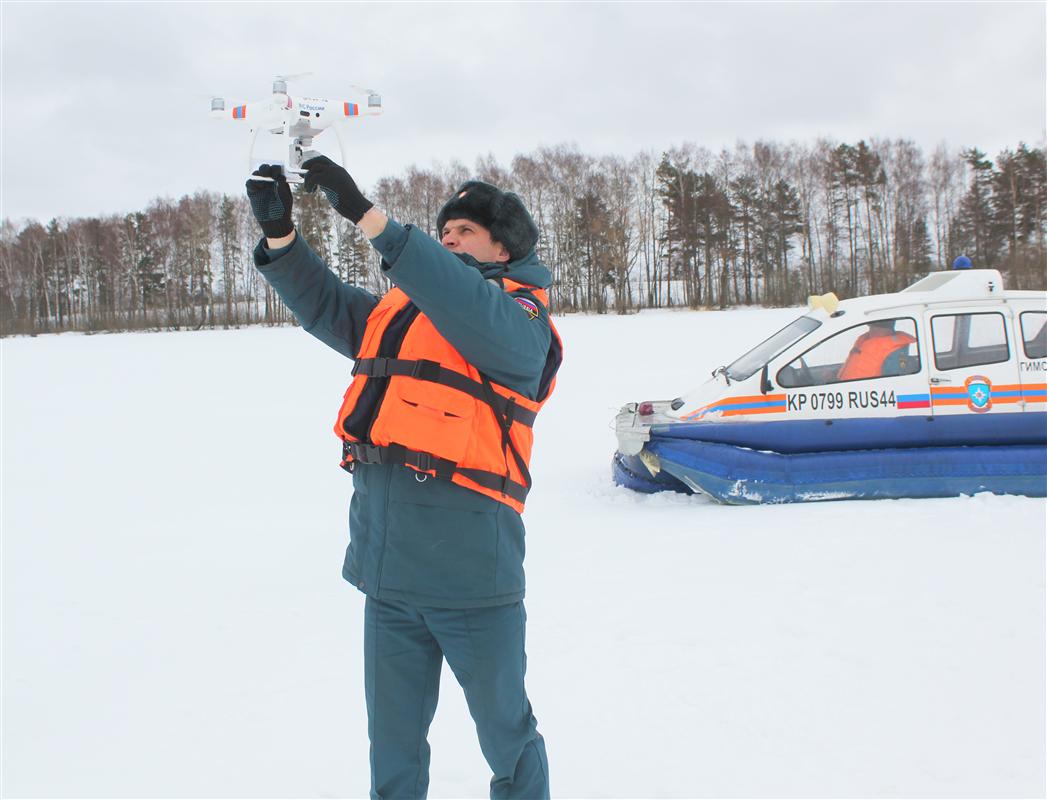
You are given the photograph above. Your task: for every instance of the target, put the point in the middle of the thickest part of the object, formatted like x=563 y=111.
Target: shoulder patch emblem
x=529 y=306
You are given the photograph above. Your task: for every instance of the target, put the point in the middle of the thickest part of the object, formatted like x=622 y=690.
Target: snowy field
x=175 y=623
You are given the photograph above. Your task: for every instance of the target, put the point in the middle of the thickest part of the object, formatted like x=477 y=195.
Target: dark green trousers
x=404 y=651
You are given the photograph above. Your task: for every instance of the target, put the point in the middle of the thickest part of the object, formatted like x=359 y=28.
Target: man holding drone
x=451 y=368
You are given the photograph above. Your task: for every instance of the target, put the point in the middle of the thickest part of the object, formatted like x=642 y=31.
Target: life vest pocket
x=428 y=417
x=417 y=405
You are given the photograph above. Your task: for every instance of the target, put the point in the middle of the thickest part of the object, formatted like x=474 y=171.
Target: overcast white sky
x=105 y=104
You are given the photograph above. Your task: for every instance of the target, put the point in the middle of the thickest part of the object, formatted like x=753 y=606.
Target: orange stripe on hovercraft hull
x=739 y=406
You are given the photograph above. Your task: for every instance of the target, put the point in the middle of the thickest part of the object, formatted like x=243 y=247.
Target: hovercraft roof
x=965 y=284
x=939 y=287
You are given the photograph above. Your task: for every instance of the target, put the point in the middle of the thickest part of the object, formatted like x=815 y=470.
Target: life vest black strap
x=499 y=483
x=363 y=453
x=505 y=424
x=398 y=454
x=432 y=371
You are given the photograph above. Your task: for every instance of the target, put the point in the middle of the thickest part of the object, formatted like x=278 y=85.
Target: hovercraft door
x=972 y=365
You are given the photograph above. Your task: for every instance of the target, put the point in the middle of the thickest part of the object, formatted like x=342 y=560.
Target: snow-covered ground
x=175 y=623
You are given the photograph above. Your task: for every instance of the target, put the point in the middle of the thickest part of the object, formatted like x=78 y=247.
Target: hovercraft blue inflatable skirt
x=737 y=474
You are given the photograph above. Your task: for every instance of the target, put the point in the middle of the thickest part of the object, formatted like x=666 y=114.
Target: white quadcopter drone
x=299 y=119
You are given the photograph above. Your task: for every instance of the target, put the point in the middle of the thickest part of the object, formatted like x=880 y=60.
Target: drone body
x=300 y=119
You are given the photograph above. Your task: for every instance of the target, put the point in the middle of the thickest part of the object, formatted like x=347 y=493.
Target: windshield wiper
x=722 y=371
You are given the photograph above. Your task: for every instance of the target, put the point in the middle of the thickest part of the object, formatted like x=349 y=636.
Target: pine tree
x=872 y=178
x=678 y=187
x=315 y=222
x=746 y=200
x=977 y=226
x=229 y=252
x=785 y=220
x=593 y=226
x=148 y=274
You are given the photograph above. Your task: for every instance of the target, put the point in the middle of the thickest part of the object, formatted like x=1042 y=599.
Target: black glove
x=338 y=186
x=271 y=201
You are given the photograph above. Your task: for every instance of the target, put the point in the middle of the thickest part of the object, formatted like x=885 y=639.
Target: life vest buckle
x=347 y=457
x=378 y=368
x=425 y=370
x=366 y=453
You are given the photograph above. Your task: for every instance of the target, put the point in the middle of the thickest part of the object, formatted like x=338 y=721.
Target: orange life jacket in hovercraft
x=869 y=353
x=415 y=400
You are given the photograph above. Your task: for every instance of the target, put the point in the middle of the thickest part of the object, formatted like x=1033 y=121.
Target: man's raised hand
x=338 y=187
x=271 y=201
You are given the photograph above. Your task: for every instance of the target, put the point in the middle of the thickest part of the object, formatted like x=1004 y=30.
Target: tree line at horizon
x=764 y=224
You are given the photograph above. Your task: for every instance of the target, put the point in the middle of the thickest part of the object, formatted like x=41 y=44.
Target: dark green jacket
x=432 y=542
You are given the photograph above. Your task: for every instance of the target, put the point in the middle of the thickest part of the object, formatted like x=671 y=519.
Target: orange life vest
x=415 y=400
x=870 y=352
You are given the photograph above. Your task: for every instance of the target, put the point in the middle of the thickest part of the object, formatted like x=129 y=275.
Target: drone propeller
x=293 y=77
x=357 y=87
x=230 y=100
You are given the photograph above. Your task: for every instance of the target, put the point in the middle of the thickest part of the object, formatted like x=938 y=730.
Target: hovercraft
x=938 y=390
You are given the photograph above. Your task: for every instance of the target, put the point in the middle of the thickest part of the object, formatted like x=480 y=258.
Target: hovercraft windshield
x=754 y=360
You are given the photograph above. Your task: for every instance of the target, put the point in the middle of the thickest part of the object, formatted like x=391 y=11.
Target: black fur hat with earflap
x=502 y=213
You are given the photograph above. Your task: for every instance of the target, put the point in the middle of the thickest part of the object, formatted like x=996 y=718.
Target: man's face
x=465 y=236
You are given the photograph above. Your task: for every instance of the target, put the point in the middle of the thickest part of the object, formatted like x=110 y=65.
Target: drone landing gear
x=297 y=151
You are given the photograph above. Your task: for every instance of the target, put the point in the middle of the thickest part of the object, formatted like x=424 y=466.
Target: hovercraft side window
x=1034 y=333
x=969 y=340
x=884 y=348
x=754 y=360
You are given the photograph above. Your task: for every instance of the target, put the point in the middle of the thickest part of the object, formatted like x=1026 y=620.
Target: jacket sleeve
x=324 y=305
x=485 y=324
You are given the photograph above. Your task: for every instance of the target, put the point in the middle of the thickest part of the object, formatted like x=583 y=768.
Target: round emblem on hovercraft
x=979 y=393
